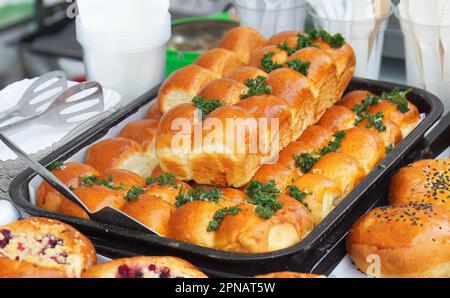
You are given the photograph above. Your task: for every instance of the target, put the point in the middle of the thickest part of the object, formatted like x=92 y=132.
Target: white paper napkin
x=35 y=138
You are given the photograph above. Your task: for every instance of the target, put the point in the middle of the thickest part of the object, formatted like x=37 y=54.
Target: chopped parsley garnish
x=219 y=216
x=57 y=165
x=335 y=41
x=390 y=148
x=199 y=194
x=299 y=195
x=163 y=180
x=304 y=41
x=398 y=98
x=267 y=63
x=133 y=193
x=366 y=104
x=256 y=86
x=300 y=66
x=374 y=120
x=285 y=47
x=206 y=107
x=306 y=161
x=88 y=181
x=265 y=196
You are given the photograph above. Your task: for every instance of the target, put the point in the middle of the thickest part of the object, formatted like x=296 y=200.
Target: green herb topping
x=299 y=195
x=306 y=161
x=335 y=41
x=285 y=47
x=88 y=181
x=206 y=107
x=398 y=98
x=267 y=63
x=390 y=148
x=219 y=216
x=300 y=66
x=199 y=194
x=256 y=86
x=133 y=193
x=304 y=41
x=57 y=165
x=374 y=120
x=163 y=180
x=108 y=183
x=366 y=104
x=265 y=196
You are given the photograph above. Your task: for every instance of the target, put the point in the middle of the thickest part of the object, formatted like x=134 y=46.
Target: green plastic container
x=177 y=59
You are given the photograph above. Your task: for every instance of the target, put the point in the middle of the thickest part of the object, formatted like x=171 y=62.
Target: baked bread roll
x=338 y=118
x=69 y=174
x=166 y=187
x=365 y=146
x=276 y=56
x=411 y=240
x=282 y=173
x=95 y=198
x=354 y=98
x=295 y=89
x=227 y=91
x=426 y=181
x=151 y=211
x=119 y=153
x=318 y=193
x=290 y=37
x=289 y=275
x=145 y=267
x=242 y=41
x=183 y=85
x=43 y=248
x=245 y=73
x=343 y=169
x=153 y=112
x=143 y=132
x=220 y=61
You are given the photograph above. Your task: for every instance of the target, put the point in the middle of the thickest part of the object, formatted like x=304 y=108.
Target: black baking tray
x=303 y=257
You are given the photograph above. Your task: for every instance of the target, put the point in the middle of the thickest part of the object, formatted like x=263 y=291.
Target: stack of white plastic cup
x=124 y=45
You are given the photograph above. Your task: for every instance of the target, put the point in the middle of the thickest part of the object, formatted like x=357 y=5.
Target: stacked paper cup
x=124 y=45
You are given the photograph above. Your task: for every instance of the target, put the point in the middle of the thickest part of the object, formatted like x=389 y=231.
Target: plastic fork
x=107 y=215
x=58 y=113
x=26 y=107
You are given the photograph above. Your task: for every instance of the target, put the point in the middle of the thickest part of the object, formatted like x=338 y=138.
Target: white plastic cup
x=424 y=62
x=130 y=63
x=271 y=21
x=366 y=38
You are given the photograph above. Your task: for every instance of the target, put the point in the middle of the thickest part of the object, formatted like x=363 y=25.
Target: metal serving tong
x=27 y=106
x=107 y=215
x=59 y=113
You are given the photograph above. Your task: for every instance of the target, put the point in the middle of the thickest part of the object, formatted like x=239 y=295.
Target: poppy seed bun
x=410 y=240
x=426 y=181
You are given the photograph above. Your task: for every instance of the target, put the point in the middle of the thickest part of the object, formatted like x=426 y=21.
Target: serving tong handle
x=107 y=215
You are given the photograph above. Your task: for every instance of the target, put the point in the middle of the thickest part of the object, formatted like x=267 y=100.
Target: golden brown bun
x=247 y=232
x=282 y=173
x=145 y=267
x=279 y=56
x=227 y=91
x=354 y=98
x=175 y=160
x=426 y=181
x=393 y=134
x=119 y=153
x=323 y=194
x=291 y=37
x=242 y=41
x=295 y=89
x=232 y=197
x=183 y=85
x=141 y=131
x=190 y=223
x=289 y=275
x=411 y=240
x=151 y=211
x=43 y=248
x=95 y=198
x=157 y=172
x=407 y=121
x=48 y=198
x=167 y=193
x=153 y=112
x=323 y=75
x=245 y=73
x=365 y=145
x=338 y=118
x=343 y=169
x=220 y=61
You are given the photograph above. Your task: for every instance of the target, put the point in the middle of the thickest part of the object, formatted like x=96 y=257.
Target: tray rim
x=330 y=222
